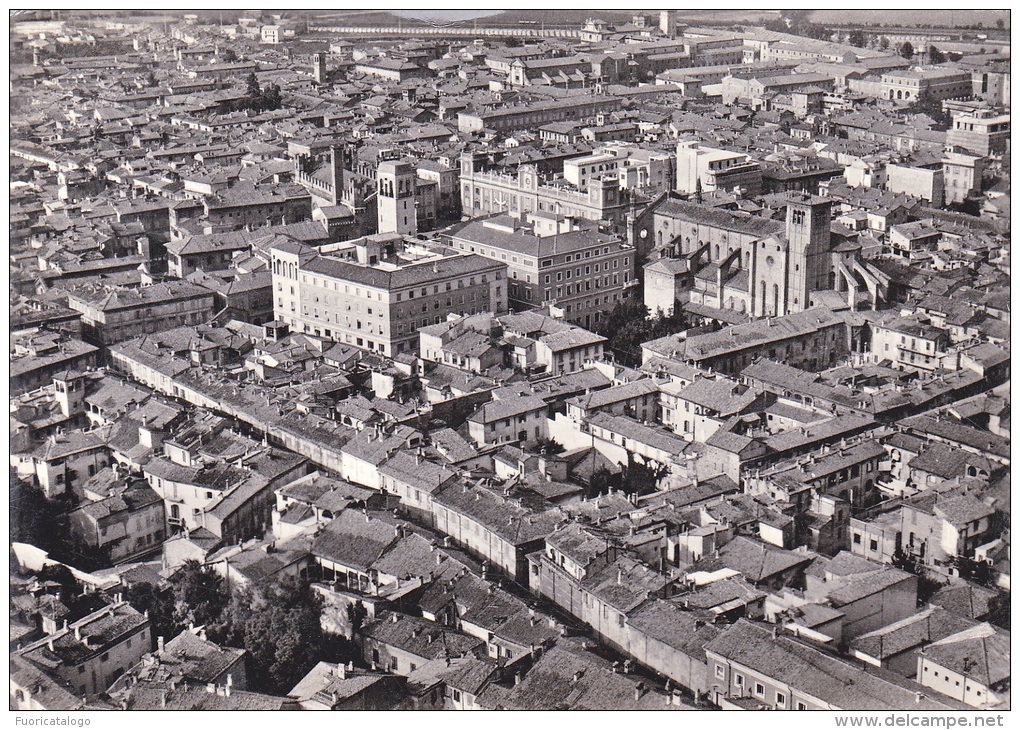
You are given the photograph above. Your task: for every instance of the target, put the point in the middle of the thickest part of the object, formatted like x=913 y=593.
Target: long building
x=485 y=191
x=531 y=116
x=375 y=292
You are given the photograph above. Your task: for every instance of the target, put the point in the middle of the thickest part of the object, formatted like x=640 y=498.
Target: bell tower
x=808 y=218
x=396 y=199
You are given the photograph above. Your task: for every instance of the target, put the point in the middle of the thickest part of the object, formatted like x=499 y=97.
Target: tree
x=935 y=56
x=548 y=447
x=199 y=595
x=639 y=478
x=272 y=99
x=856 y=39
x=279 y=625
x=883 y=43
x=630 y=324
x=252 y=87
x=1000 y=24
x=63 y=577
x=160 y=605
x=926 y=587
x=907 y=50
x=928 y=104
x=33 y=518
x=229 y=55
x=602 y=480
x=999 y=610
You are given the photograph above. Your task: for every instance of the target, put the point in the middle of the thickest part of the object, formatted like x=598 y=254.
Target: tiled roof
x=820 y=675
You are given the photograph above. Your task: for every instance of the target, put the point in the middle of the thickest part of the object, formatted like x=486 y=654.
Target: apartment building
x=962 y=174
x=375 y=292
x=91 y=653
x=981 y=133
x=813 y=339
x=909 y=343
x=112 y=315
x=554 y=259
x=240 y=208
x=709 y=169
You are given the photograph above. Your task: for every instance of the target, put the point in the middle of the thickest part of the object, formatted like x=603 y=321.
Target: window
x=456 y=695
x=738 y=679
x=720 y=671
x=780 y=699
x=759 y=689
x=874 y=546
x=801 y=706
x=857 y=538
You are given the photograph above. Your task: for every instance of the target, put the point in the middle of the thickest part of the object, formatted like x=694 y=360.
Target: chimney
x=341 y=671
x=394 y=618
x=517 y=679
x=639 y=691
x=162 y=698
x=159 y=644
x=211 y=688
x=577 y=676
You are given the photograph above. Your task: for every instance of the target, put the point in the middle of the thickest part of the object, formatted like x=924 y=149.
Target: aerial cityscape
x=523 y=360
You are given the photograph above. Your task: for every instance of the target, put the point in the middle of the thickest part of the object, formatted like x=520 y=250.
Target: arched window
x=775 y=298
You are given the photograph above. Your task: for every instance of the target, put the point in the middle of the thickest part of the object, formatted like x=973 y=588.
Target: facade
x=706 y=169
x=240 y=208
x=513 y=419
x=982 y=133
x=110 y=316
x=755 y=667
x=756 y=266
x=812 y=340
x=485 y=192
x=91 y=653
x=554 y=260
x=963 y=175
x=395 y=206
x=375 y=292
x=120 y=527
x=493 y=527
x=532 y=116
x=927 y=183
x=909 y=343
x=935 y=83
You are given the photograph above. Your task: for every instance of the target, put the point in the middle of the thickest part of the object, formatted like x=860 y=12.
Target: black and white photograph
x=537 y=359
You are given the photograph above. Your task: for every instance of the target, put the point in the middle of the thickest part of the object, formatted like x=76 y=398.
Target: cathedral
x=756 y=266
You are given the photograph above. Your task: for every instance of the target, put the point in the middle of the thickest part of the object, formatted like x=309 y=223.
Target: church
x=755 y=266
